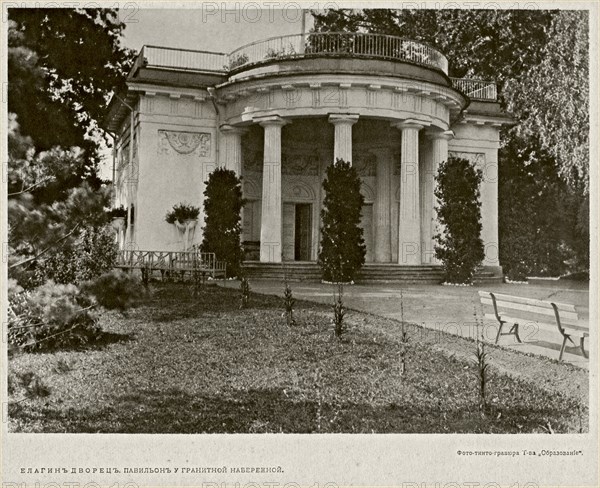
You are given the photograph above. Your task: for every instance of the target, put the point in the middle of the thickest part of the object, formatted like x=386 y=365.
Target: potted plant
x=185 y=218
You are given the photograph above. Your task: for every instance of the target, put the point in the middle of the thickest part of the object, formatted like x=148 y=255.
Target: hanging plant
x=182 y=212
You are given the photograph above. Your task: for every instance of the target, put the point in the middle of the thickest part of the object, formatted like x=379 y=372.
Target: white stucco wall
x=178 y=144
x=480 y=144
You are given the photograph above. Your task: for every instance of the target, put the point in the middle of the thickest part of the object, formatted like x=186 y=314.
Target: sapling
x=482 y=364
x=288 y=298
x=244 y=292
x=339 y=311
x=146 y=274
x=198 y=278
x=288 y=302
x=403 y=337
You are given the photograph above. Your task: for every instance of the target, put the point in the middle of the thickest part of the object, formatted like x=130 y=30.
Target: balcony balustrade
x=319 y=44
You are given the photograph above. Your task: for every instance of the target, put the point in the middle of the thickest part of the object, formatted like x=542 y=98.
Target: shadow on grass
x=97 y=342
x=177 y=301
x=272 y=411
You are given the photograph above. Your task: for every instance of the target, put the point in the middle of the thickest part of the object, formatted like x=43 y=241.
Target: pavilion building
x=278 y=112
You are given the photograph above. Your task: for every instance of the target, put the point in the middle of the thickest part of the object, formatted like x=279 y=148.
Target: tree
x=488 y=44
x=459 y=245
x=39 y=229
x=551 y=99
x=343 y=248
x=540 y=60
x=223 y=204
x=62 y=67
x=534 y=242
x=62 y=242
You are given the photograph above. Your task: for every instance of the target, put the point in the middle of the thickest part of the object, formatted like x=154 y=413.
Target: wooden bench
x=550 y=316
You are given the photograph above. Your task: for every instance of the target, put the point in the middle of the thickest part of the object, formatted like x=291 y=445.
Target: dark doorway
x=303 y=238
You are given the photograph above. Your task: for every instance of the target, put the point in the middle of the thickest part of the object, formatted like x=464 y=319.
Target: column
x=231 y=149
x=409 y=218
x=433 y=156
x=270 y=224
x=382 y=210
x=342 y=146
x=489 y=207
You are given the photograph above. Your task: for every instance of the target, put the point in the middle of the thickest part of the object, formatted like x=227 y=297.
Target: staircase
x=370 y=273
x=395 y=273
x=295 y=271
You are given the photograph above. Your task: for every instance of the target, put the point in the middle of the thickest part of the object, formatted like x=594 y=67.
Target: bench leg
x=499 y=332
x=562 y=348
x=581 y=342
x=515 y=330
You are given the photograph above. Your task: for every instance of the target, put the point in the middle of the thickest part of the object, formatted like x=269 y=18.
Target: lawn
x=185 y=364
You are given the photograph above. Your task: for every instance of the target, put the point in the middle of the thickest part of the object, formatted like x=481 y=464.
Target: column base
x=270 y=253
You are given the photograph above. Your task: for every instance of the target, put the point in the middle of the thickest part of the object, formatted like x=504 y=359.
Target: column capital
x=270 y=120
x=409 y=124
x=445 y=135
x=231 y=129
x=349 y=119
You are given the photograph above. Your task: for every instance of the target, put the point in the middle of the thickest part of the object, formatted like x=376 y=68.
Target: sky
x=210 y=27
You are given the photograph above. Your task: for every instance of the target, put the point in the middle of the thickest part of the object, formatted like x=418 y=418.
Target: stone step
x=370 y=273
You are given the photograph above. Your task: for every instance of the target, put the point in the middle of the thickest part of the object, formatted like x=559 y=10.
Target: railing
x=352 y=44
x=186 y=59
x=204 y=262
x=476 y=89
x=333 y=44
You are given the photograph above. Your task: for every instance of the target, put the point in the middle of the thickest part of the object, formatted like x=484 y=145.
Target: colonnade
x=416 y=223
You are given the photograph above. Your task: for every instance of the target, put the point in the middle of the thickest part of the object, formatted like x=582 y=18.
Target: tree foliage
x=62 y=67
x=343 y=249
x=488 y=44
x=535 y=242
x=59 y=253
x=38 y=227
x=551 y=99
x=223 y=204
x=92 y=254
x=540 y=60
x=459 y=245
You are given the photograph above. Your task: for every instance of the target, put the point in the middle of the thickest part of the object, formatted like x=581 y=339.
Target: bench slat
x=547 y=310
x=575 y=332
x=528 y=301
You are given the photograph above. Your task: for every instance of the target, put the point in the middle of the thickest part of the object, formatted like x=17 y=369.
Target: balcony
x=181 y=59
x=302 y=46
x=339 y=44
x=476 y=89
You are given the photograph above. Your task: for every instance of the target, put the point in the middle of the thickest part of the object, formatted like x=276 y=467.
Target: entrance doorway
x=302 y=234
x=297 y=231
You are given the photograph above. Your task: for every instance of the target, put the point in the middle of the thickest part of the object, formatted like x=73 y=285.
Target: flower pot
x=190 y=225
x=180 y=226
x=118 y=223
x=187 y=229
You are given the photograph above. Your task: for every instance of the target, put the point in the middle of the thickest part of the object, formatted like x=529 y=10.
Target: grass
x=199 y=364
